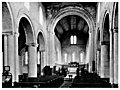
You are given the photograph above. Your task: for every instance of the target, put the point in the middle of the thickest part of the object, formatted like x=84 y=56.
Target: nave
x=60 y=44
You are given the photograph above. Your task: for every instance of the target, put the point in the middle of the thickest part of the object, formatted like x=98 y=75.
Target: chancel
x=60 y=45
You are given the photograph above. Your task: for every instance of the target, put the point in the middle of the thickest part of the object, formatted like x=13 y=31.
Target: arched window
x=73 y=39
x=40 y=16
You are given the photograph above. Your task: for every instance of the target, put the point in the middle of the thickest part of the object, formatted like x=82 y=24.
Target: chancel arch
x=77 y=12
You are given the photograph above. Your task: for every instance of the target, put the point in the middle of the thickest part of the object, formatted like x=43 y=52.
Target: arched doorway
x=26 y=48
x=105 y=48
x=40 y=53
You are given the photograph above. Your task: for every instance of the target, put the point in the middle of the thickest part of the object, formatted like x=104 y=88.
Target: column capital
x=98 y=49
x=32 y=44
x=16 y=34
x=7 y=33
x=105 y=42
x=115 y=30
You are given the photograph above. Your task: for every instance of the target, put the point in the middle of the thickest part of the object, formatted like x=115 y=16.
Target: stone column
x=115 y=56
x=104 y=60
x=32 y=60
x=98 y=61
x=42 y=60
x=11 y=55
x=111 y=58
x=16 y=60
x=5 y=50
x=90 y=47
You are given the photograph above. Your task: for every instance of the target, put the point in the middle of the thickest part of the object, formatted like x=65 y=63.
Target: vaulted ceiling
x=71 y=25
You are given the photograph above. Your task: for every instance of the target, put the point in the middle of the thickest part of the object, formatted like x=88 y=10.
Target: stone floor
x=66 y=84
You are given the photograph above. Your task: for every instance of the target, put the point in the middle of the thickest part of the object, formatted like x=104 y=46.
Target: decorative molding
x=32 y=44
x=8 y=33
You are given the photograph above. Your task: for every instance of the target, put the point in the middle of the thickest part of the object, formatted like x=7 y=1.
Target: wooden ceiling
x=71 y=25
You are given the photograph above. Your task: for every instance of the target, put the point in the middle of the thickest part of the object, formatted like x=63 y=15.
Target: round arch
x=40 y=31
x=41 y=61
x=71 y=11
x=30 y=36
x=115 y=16
x=41 y=40
x=105 y=45
x=106 y=14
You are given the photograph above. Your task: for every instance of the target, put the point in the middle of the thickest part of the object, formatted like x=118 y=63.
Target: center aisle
x=66 y=84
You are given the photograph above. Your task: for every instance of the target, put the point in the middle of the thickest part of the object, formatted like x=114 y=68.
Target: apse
x=73 y=32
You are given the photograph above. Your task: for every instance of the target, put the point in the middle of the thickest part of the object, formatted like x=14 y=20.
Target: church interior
x=60 y=45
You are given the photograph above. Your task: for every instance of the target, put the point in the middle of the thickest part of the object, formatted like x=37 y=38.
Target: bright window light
x=71 y=40
x=75 y=39
x=40 y=16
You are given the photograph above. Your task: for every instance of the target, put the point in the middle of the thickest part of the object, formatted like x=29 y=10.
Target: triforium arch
x=79 y=12
x=41 y=61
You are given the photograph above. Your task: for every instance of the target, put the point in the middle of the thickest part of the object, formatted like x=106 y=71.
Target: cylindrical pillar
x=98 y=61
x=42 y=60
x=5 y=51
x=11 y=56
x=104 y=60
x=115 y=56
x=16 y=60
x=32 y=60
x=111 y=58
x=90 y=47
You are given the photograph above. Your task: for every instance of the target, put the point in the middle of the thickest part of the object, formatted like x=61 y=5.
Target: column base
x=115 y=85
